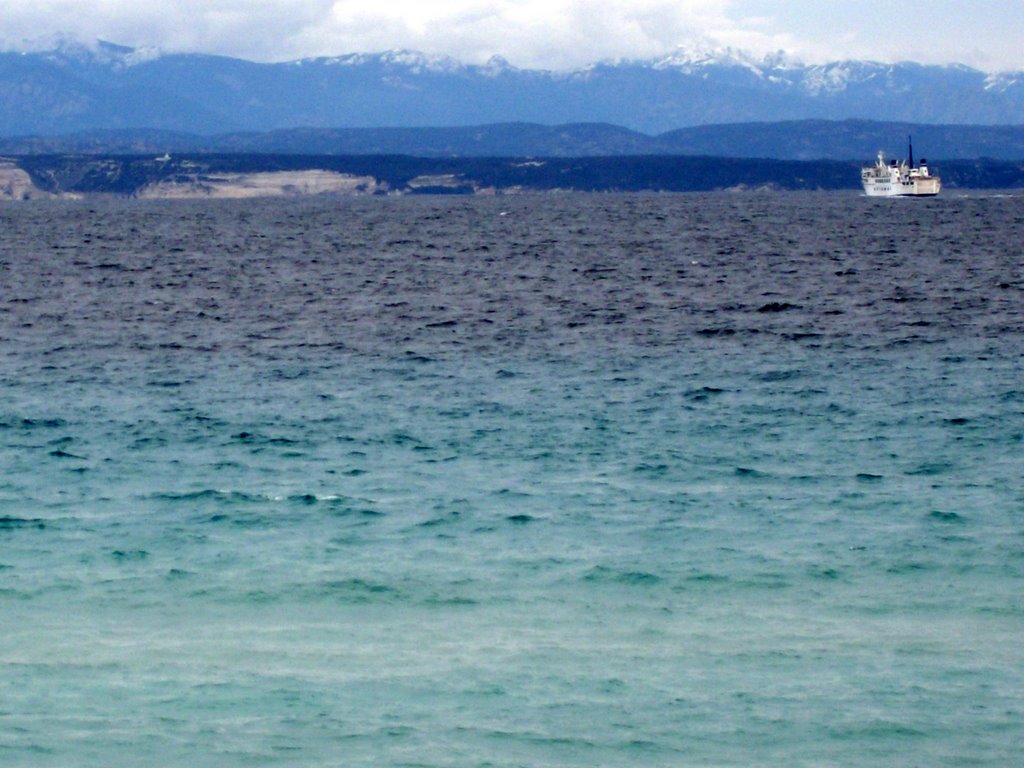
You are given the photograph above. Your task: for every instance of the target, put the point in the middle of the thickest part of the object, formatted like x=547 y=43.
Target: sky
x=550 y=34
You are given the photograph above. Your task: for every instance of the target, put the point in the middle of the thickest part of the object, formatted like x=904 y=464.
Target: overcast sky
x=557 y=34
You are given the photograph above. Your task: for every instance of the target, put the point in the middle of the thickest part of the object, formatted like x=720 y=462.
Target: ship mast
x=910 y=152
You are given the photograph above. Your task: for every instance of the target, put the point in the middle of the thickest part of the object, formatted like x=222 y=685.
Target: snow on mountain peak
x=1000 y=82
x=693 y=57
x=416 y=62
x=70 y=49
x=688 y=57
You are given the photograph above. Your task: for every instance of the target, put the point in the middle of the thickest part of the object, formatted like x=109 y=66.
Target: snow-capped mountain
x=71 y=88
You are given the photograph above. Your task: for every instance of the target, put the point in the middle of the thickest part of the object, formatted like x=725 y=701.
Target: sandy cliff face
x=15 y=184
x=270 y=184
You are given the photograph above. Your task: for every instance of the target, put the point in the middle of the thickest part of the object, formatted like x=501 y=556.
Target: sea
x=730 y=479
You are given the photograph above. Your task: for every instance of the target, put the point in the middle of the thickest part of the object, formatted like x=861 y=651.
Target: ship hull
x=889 y=190
x=928 y=187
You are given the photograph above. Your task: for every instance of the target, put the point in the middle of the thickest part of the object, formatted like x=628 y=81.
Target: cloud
x=550 y=33
x=220 y=26
x=553 y=33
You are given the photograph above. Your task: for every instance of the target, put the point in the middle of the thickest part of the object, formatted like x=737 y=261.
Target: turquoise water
x=588 y=480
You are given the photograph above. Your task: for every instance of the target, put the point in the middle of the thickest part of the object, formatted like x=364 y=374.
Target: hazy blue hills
x=856 y=140
x=849 y=139
x=75 y=89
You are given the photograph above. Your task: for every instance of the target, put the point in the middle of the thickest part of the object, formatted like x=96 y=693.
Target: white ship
x=899 y=179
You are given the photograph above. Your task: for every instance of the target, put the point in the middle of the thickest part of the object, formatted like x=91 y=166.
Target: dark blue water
x=721 y=480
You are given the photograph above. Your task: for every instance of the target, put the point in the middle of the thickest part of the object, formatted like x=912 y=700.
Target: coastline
x=240 y=176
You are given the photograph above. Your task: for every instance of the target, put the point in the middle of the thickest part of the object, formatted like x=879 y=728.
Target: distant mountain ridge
x=847 y=140
x=73 y=89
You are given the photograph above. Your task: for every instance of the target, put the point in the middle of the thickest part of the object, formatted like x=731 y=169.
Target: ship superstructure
x=899 y=178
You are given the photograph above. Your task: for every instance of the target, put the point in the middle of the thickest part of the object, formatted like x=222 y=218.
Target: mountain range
x=75 y=89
